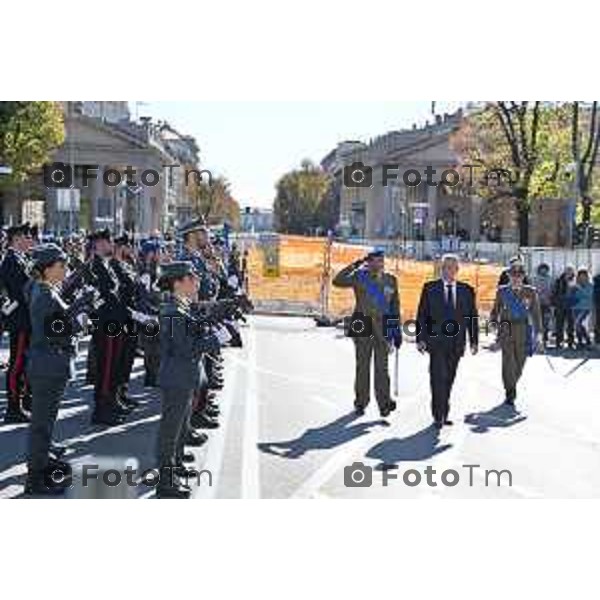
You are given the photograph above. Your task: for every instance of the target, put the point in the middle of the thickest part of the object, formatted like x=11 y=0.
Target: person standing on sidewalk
x=582 y=306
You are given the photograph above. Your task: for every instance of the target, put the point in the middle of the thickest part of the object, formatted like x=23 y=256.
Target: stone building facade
x=425 y=212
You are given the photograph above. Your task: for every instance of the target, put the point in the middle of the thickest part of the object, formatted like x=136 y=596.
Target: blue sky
x=253 y=143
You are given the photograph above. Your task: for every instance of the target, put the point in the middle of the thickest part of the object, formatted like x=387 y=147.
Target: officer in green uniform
x=377 y=306
x=518 y=314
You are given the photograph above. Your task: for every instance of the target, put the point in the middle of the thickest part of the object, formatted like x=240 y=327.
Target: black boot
x=15 y=414
x=200 y=420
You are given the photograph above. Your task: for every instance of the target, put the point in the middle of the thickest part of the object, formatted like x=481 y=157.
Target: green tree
x=304 y=200
x=29 y=131
x=525 y=146
x=214 y=202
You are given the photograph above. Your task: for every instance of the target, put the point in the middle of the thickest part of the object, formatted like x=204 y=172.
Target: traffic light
x=595 y=236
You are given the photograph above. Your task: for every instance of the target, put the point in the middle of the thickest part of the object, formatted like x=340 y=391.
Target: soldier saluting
x=377 y=300
x=517 y=305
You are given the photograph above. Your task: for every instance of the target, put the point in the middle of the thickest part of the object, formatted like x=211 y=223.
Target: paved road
x=288 y=430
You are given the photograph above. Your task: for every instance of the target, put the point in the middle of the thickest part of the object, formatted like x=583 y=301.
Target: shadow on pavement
x=418 y=446
x=333 y=434
x=135 y=438
x=500 y=416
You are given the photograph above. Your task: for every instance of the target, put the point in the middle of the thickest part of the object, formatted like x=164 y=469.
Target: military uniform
x=108 y=348
x=181 y=349
x=147 y=272
x=48 y=368
x=517 y=311
x=207 y=290
x=368 y=288
x=14 y=273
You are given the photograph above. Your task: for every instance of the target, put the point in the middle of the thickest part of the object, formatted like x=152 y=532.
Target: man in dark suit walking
x=447 y=311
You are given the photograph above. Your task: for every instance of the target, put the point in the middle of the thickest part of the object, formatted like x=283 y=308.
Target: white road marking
x=250 y=457
x=216 y=444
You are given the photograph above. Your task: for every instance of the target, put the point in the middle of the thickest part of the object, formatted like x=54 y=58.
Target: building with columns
x=101 y=140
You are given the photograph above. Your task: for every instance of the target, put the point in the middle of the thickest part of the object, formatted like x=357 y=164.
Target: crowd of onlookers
x=570 y=304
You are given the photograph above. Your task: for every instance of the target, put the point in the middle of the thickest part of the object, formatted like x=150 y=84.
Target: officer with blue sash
x=517 y=310
x=378 y=309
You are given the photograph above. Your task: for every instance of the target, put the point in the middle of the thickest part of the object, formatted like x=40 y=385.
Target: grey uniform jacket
x=181 y=347
x=49 y=354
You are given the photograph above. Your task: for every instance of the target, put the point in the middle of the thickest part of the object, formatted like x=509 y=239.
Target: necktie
x=450 y=297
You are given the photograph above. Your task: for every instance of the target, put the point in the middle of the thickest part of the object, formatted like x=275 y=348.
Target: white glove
x=222 y=335
x=82 y=319
x=233 y=281
x=141 y=317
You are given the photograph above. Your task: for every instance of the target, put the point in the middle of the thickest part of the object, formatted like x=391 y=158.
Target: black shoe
x=201 y=420
x=212 y=411
x=510 y=402
x=56 y=451
x=188 y=457
x=359 y=411
x=448 y=422
x=107 y=417
x=16 y=415
x=173 y=493
x=438 y=425
x=388 y=408
x=123 y=408
x=129 y=402
x=195 y=439
x=26 y=403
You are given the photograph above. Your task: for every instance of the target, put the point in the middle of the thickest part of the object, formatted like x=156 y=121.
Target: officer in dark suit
x=182 y=343
x=48 y=361
x=447 y=311
x=14 y=273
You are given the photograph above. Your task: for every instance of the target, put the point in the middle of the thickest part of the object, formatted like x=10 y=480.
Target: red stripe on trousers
x=17 y=369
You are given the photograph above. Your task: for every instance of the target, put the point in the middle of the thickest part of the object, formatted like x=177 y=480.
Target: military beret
x=176 y=270
x=123 y=240
x=195 y=225
x=47 y=254
x=100 y=234
x=148 y=246
x=15 y=230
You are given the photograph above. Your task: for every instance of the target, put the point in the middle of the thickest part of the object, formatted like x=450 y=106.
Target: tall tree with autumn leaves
x=214 y=202
x=525 y=146
x=305 y=201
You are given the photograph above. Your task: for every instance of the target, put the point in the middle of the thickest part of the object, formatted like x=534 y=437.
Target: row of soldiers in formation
x=179 y=306
x=447 y=317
